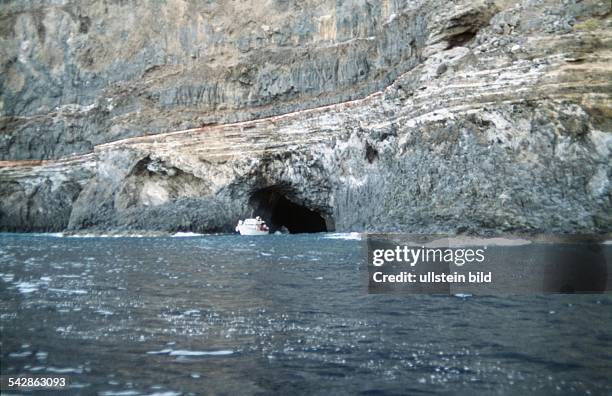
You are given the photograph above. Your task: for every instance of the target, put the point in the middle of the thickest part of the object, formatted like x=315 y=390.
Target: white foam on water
x=186 y=234
x=350 y=236
x=104 y=312
x=463 y=295
x=119 y=393
x=462 y=241
x=166 y=393
x=161 y=352
x=78 y=385
x=68 y=291
x=20 y=354
x=7 y=277
x=46 y=234
x=107 y=236
x=180 y=352
x=65 y=370
x=26 y=287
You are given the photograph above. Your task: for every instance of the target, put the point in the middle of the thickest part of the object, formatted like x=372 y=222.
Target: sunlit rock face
x=422 y=116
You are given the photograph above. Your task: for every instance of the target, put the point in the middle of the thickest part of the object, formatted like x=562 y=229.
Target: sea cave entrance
x=274 y=206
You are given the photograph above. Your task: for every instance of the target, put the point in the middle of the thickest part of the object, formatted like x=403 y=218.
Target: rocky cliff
x=421 y=116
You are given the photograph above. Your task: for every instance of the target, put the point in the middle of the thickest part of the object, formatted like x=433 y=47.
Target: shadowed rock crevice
x=461 y=39
x=274 y=205
x=371 y=153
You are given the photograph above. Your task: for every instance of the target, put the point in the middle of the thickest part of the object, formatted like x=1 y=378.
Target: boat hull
x=250 y=231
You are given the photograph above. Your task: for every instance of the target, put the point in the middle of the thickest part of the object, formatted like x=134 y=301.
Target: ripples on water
x=284 y=314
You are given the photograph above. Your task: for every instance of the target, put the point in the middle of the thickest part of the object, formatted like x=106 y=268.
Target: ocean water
x=282 y=314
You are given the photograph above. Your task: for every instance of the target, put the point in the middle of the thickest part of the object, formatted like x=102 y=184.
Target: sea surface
x=281 y=314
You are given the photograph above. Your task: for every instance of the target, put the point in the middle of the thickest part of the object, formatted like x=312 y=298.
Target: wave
x=186 y=234
x=348 y=236
x=184 y=352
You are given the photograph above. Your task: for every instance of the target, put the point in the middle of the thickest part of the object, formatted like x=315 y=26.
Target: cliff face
x=77 y=74
x=423 y=116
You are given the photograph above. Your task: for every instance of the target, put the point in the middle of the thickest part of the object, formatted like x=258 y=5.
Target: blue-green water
x=285 y=314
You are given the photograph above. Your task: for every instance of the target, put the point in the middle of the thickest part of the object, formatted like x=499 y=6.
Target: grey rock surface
x=481 y=117
x=80 y=73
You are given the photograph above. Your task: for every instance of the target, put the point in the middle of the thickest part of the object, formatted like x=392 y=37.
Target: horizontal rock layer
x=498 y=120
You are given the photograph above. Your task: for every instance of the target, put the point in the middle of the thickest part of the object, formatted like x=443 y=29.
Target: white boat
x=254 y=226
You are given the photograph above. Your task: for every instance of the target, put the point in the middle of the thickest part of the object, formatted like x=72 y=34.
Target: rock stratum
x=416 y=116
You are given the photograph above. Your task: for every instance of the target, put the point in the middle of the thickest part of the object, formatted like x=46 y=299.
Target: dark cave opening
x=371 y=153
x=279 y=211
x=460 y=39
